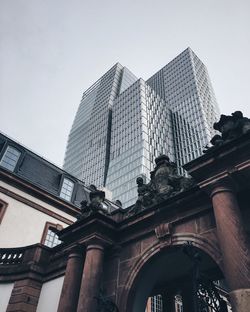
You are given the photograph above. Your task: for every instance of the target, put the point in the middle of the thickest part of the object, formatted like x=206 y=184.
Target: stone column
x=72 y=282
x=91 y=278
x=234 y=246
x=25 y=296
x=168 y=301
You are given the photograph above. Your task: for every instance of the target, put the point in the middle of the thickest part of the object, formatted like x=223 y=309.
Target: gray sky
x=52 y=50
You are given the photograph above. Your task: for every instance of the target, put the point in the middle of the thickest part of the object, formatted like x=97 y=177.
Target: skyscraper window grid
x=123 y=123
x=140 y=130
x=86 y=151
x=185 y=85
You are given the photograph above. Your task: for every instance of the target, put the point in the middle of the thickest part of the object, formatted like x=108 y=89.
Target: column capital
x=95 y=246
x=75 y=251
x=97 y=242
x=222 y=187
x=219 y=184
x=76 y=254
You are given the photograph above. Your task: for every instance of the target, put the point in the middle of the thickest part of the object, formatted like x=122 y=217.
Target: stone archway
x=147 y=271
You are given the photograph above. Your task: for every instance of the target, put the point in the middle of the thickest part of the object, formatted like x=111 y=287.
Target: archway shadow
x=162 y=269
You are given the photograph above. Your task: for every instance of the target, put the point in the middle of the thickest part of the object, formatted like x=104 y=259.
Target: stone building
x=179 y=237
x=37 y=199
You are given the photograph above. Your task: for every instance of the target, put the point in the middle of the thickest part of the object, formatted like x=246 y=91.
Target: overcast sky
x=53 y=50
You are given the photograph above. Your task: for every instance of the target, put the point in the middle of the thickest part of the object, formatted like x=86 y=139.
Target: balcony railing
x=11 y=255
x=37 y=253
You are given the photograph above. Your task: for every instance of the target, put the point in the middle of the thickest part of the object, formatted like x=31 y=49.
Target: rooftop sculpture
x=96 y=203
x=164 y=183
x=230 y=127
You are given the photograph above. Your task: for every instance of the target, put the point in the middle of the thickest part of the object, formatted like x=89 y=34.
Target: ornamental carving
x=164 y=183
x=163 y=230
x=96 y=203
x=230 y=127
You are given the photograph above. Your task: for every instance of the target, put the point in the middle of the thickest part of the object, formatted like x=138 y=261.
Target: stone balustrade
x=9 y=256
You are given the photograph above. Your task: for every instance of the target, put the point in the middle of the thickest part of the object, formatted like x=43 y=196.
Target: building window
x=156 y=303
x=3 y=207
x=10 y=158
x=50 y=238
x=67 y=189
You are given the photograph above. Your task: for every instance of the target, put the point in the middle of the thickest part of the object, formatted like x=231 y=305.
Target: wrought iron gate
x=205 y=293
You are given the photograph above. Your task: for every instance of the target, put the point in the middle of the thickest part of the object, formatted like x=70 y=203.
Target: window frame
x=50 y=226
x=5 y=149
x=3 y=207
x=64 y=177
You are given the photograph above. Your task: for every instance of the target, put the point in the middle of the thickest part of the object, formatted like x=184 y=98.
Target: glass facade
x=124 y=123
x=141 y=130
x=87 y=153
x=185 y=86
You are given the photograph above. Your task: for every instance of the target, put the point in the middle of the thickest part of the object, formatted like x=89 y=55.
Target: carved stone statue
x=231 y=127
x=97 y=198
x=161 y=175
x=226 y=126
x=165 y=182
x=242 y=123
x=145 y=193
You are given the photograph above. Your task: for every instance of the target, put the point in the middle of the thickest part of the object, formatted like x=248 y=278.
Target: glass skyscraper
x=141 y=129
x=185 y=86
x=88 y=149
x=123 y=123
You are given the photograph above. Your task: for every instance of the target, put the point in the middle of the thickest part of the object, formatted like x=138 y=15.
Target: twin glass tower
x=123 y=123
